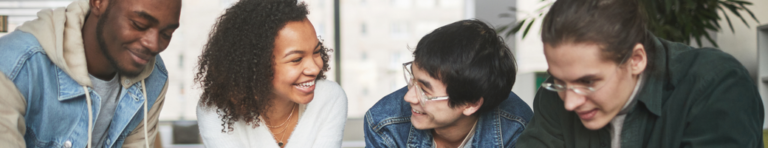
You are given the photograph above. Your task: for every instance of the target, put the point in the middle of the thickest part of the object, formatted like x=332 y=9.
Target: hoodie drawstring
x=146 y=137
x=90 y=114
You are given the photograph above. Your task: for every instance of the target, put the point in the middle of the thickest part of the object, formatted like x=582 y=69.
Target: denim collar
x=68 y=87
x=489 y=123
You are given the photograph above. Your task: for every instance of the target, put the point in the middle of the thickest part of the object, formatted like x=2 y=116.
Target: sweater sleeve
x=544 y=130
x=137 y=138
x=209 y=124
x=12 y=107
x=330 y=136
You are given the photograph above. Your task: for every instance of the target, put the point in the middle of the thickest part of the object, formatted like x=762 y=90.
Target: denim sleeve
x=372 y=138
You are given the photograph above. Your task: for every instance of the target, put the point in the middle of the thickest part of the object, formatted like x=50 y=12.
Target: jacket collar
x=651 y=92
x=485 y=126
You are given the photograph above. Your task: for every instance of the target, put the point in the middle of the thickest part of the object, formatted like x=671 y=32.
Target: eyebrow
x=302 y=52
x=426 y=84
x=293 y=52
x=586 y=77
x=318 y=44
x=154 y=20
x=146 y=15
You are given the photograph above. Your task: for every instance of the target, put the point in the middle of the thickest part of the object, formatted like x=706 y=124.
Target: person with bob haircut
x=614 y=84
x=262 y=75
x=458 y=94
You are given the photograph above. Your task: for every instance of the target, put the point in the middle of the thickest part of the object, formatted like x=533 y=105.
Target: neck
x=98 y=65
x=279 y=111
x=453 y=135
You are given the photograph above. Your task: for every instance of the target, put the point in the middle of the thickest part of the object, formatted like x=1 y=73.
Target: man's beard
x=103 y=46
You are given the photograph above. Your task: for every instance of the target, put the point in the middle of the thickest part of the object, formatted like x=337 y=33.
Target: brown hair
x=615 y=25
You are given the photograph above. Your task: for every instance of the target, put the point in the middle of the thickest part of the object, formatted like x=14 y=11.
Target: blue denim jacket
x=388 y=124
x=56 y=114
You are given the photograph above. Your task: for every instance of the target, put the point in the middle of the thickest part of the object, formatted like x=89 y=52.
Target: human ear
x=638 y=60
x=98 y=7
x=471 y=108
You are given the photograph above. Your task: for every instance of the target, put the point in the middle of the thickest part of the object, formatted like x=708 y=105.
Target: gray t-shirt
x=108 y=92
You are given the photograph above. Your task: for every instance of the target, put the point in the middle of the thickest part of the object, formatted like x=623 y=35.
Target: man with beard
x=86 y=75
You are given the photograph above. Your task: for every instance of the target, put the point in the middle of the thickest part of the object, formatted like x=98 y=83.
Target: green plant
x=674 y=20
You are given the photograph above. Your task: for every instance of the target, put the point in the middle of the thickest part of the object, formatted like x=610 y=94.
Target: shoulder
x=207 y=116
x=515 y=109
x=328 y=88
x=329 y=95
x=389 y=110
x=16 y=48
x=704 y=65
x=160 y=65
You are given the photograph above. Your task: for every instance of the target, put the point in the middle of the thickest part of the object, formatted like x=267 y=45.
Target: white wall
x=742 y=43
x=762 y=75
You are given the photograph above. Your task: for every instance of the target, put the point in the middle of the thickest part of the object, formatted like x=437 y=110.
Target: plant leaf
x=727 y=19
x=528 y=28
x=750 y=13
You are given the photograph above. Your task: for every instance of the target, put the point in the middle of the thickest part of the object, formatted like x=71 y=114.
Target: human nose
x=410 y=96
x=151 y=41
x=572 y=100
x=312 y=68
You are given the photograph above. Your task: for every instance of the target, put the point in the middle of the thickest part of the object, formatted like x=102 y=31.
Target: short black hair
x=471 y=60
x=615 y=25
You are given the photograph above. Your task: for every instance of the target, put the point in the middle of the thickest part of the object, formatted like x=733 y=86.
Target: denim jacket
x=54 y=112
x=388 y=124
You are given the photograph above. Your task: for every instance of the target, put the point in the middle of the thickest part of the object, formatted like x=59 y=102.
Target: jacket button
x=68 y=144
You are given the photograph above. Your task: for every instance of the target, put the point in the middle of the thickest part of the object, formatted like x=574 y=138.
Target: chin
x=304 y=99
x=130 y=72
x=418 y=125
x=594 y=124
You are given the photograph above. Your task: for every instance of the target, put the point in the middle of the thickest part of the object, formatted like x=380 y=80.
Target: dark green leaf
x=727 y=19
x=528 y=27
x=750 y=13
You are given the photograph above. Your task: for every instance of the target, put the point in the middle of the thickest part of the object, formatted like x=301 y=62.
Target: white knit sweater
x=321 y=124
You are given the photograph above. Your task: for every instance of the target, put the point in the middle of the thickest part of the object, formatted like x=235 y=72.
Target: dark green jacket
x=693 y=98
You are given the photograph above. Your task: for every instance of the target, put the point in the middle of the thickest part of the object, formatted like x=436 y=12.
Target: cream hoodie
x=59 y=32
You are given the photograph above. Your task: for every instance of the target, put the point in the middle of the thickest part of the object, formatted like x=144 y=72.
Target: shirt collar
x=651 y=92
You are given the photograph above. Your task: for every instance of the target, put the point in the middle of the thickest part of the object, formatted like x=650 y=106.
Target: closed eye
x=139 y=26
x=296 y=60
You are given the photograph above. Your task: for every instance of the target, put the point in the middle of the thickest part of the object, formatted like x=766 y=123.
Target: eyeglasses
x=581 y=90
x=423 y=98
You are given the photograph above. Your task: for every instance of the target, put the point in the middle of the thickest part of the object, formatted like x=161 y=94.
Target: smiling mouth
x=417 y=112
x=306 y=84
x=587 y=115
x=140 y=58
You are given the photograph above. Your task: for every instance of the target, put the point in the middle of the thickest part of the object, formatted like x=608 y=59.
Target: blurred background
x=374 y=37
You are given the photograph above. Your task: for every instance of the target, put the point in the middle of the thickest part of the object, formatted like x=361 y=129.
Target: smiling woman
x=263 y=64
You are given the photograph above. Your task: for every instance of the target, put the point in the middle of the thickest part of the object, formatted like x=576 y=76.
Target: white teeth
x=307 y=84
x=416 y=111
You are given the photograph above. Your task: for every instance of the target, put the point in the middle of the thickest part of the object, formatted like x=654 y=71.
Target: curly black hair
x=236 y=69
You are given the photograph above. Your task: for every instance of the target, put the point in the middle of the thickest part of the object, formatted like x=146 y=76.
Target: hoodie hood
x=59 y=32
